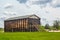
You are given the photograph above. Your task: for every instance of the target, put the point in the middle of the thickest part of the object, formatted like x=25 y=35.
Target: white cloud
x=55 y=3
x=8 y=5
x=43 y=3
x=9 y=12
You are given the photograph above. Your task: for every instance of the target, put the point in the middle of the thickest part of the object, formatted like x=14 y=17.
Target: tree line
x=56 y=25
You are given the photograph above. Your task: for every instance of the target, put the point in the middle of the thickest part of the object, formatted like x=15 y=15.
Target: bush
x=42 y=29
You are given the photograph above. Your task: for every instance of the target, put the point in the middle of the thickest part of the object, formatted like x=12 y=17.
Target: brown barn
x=22 y=24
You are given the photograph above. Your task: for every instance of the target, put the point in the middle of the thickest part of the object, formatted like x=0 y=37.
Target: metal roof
x=21 y=17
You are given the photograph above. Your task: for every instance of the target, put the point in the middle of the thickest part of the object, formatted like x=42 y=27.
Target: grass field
x=29 y=36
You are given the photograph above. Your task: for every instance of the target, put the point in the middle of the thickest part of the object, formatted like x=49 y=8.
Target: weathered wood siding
x=34 y=24
x=26 y=24
x=14 y=25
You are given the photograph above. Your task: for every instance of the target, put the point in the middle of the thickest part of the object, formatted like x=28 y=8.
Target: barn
x=27 y=23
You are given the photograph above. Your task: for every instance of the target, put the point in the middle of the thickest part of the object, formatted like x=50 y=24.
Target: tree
x=47 y=26
x=56 y=24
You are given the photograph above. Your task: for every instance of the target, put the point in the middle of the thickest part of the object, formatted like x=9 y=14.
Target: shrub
x=42 y=29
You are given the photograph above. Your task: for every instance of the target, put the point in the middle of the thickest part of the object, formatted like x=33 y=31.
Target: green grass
x=29 y=36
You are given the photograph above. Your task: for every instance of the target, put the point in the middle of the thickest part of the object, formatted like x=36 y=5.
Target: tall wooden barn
x=22 y=24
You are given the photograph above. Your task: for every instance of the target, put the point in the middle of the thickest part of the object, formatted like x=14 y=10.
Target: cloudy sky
x=47 y=10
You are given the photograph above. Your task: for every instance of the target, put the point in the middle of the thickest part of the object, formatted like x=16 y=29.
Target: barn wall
x=34 y=24
x=16 y=25
x=28 y=24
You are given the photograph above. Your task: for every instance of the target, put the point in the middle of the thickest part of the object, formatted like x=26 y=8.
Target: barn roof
x=21 y=17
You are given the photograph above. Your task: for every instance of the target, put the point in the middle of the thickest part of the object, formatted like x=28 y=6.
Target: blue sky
x=47 y=10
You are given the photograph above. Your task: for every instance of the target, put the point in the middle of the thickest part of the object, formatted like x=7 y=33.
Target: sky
x=47 y=10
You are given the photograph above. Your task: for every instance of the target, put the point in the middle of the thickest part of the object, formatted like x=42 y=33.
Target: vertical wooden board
x=20 y=23
x=5 y=26
x=16 y=23
x=23 y=25
x=24 y=22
